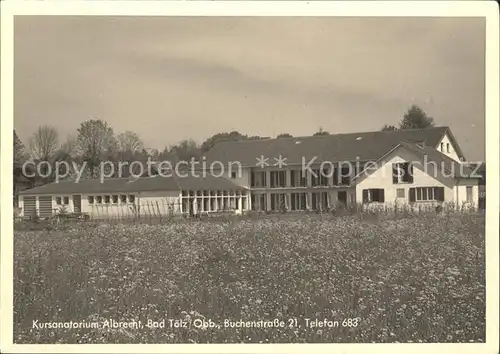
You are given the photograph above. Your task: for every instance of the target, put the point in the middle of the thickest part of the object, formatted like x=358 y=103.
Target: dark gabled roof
x=94 y=185
x=451 y=167
x=183 y=181
x=427 y=155
x=458 y=150
x=208 y=181
x=367 y=146
x=129 y=185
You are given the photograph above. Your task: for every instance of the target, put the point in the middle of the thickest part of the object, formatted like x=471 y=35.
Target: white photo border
x=485 y=9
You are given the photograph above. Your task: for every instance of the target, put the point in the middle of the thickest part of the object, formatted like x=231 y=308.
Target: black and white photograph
x=232 y=179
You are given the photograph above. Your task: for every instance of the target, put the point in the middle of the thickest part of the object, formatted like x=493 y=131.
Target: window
x=185 y=205
x=131 y=198
x=324 y=175
x=469 y=194
x=447 y=147
x=343 y=176
x=263 y=202
x=315 y=177
x=442 y=147
x=115 y=199
x=258 y=179
x=402 y=173
x=106 y=199
x=319 y=177
x=123 y=198
x=424 y=194
x=98 y=199
x=319 y=201
x=298 y=201
x=58 y=200
x=298 y=178
x=259 y=202
x=373 y=195
x=90 y=199
x=400 y=193
x=278 y=201
x=233 y=175
x=277 y=179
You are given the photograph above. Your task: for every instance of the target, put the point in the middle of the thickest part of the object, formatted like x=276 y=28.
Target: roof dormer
x=449 y=146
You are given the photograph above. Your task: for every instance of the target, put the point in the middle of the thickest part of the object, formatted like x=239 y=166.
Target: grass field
x=418 y=279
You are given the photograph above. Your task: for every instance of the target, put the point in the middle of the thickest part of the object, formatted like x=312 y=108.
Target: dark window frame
x=260 y=182
x=417 y=194
x=407 y=177
x=373 y=195
x=469 y=190
x=278 y=179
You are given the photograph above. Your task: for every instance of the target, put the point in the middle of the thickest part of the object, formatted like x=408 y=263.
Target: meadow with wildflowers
x=410 y=279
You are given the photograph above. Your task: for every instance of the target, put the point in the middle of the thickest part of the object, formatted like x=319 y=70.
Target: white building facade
x=417 y=168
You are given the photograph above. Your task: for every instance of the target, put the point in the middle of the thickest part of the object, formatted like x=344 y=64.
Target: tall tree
x=44 y=143
x=224 y=137
x=416 y=118
x=221 y=137
x=388 y=127
x=284 y=135
x=154 y=154
x=130 y=141
x=43 y=146
x=20 y=157
x=96 y=143
x=321 y=132
x=69 y=147
x=19 y=151
x=67 y=152
x=185 y=151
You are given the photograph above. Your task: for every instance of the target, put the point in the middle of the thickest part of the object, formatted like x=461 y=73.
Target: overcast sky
x=170 y=79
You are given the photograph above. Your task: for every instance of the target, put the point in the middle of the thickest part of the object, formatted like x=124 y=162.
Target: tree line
x=96 y=141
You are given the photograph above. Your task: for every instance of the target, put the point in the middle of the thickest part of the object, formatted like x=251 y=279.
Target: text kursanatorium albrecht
x=200 y=323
